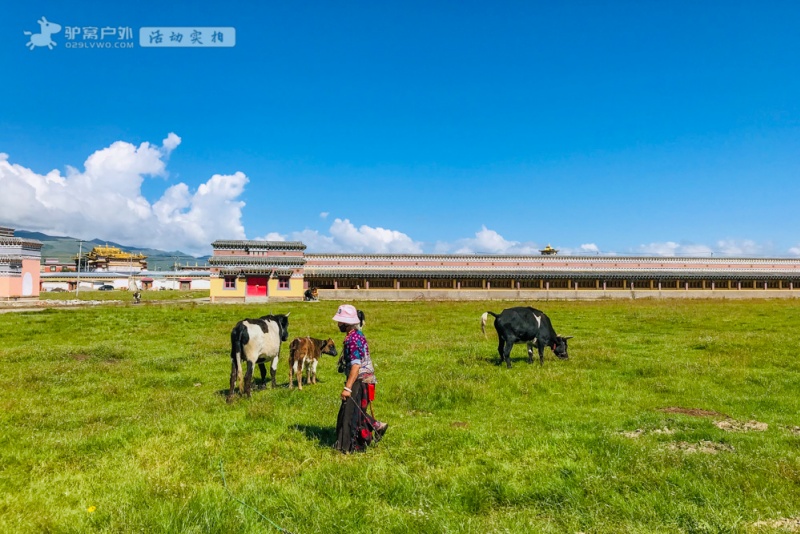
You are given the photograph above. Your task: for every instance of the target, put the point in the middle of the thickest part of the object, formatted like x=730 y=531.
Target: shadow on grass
x=495 y=360
x=325 y=435
x=257 y=386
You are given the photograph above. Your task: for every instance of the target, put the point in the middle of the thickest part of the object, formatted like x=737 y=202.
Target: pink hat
x=347 y=314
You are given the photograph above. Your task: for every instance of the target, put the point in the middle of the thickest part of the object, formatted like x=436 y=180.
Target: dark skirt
x=353 y=425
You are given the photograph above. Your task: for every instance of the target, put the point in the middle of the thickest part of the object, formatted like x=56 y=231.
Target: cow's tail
x=484 y=318
x=293 y=348
x=239 y=338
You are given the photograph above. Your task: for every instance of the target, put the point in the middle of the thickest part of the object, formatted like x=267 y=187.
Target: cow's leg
x=239 y=379
x=507 y=353
x=248 y=378
x=501 y=349
x=234 y=375
x=274 y=369
x=540 y=346
x=298 y=370
x=314 y=371
x=530 y=351
x=262 y=368
x=292 y=366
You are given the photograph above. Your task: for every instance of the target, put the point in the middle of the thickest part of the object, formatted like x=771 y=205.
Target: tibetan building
x=106 y=258
x=247 y=271
x=19 y=266
x=242 y=270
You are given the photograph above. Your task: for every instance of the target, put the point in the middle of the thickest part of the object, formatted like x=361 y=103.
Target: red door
x=257 y=287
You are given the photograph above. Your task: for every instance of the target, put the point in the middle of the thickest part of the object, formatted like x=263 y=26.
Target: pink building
x=19 y=266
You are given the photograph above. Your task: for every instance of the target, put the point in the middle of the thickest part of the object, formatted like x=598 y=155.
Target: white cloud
x=345 y=237
x=272 y=236
x=660 y=249
x=671 y=248
x=170 y=143
x=586 y=249
x=725 y=247
x=105 y=200
x=746 y=247
x=324 y=215
x=486 y=241
x=368 y=239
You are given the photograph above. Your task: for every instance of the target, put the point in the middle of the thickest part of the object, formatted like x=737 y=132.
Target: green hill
x=65 y=249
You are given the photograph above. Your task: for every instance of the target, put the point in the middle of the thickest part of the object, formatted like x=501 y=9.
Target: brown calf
x=306 y=351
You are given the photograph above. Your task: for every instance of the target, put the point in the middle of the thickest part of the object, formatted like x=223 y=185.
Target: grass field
x=114 y=420
x=123 y=295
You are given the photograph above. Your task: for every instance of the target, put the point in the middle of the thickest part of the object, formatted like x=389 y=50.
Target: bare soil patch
x=731 y=425
x=640 y=432
x=704 y=446
x=790 y=524
x=696 y=412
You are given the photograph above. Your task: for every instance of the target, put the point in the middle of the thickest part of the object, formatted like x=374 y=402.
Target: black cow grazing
x=525 y=325
x=311 y=294
x=255 y=340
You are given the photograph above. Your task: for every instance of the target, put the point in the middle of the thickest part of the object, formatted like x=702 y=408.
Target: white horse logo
x=43 y=38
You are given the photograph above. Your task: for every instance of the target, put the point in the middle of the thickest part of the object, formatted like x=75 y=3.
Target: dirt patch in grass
x=791 y=524
x=80 y=357
x=696 y=412
x=731 y=425
x=640 y=432
x=704 y=446
x=459 y=424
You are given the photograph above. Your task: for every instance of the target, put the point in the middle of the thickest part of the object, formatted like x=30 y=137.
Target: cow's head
x=560 y=347
x=329 y=348
x=283 y=324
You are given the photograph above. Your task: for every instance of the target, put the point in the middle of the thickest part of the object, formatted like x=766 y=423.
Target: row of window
x=560 y=283
x=230 y=282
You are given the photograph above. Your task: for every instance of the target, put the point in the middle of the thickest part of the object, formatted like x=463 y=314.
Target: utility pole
x=78 y=283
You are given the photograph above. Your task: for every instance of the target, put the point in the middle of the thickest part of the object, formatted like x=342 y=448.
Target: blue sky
x=598 y=127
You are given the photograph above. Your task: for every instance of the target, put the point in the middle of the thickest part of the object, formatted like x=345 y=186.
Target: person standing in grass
x=355 y=428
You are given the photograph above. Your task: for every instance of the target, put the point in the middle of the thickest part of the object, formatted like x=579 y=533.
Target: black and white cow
x=256 y=340
x=525 y=325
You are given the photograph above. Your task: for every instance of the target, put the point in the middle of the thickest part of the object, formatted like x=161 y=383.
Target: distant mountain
x=66 y=248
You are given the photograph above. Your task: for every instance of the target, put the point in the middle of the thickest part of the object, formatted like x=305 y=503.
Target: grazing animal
x=256 y=340
x=525 y=325
x=311 y=294
x=304 y=352
x=137 y=297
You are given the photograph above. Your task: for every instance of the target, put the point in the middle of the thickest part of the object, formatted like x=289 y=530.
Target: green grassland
x=124 y=295
x=114 y=420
